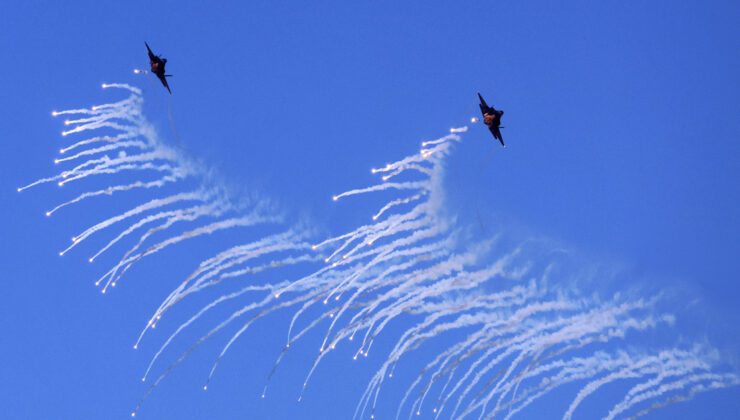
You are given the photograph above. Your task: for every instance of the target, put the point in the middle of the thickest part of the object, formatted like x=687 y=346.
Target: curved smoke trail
x=515 y=332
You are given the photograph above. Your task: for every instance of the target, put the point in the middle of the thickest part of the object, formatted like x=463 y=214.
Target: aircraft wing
x=497 y=134
x=483 y=105
x=164 y=82
x=152 y=56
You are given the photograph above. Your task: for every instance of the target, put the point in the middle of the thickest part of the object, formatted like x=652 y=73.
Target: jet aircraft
x=157 y=64
x=492 y=118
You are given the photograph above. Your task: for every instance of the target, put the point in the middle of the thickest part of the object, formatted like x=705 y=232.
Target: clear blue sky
x=621 y=120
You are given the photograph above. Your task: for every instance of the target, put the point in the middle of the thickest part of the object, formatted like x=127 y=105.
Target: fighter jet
x=157 y=64
x=492 y=118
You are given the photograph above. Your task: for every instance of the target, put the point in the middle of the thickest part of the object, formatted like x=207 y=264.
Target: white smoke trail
x=122 y=145
x=525 y=332
x=513 y=347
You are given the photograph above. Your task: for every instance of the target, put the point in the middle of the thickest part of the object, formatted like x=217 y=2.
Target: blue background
x=621 y=120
